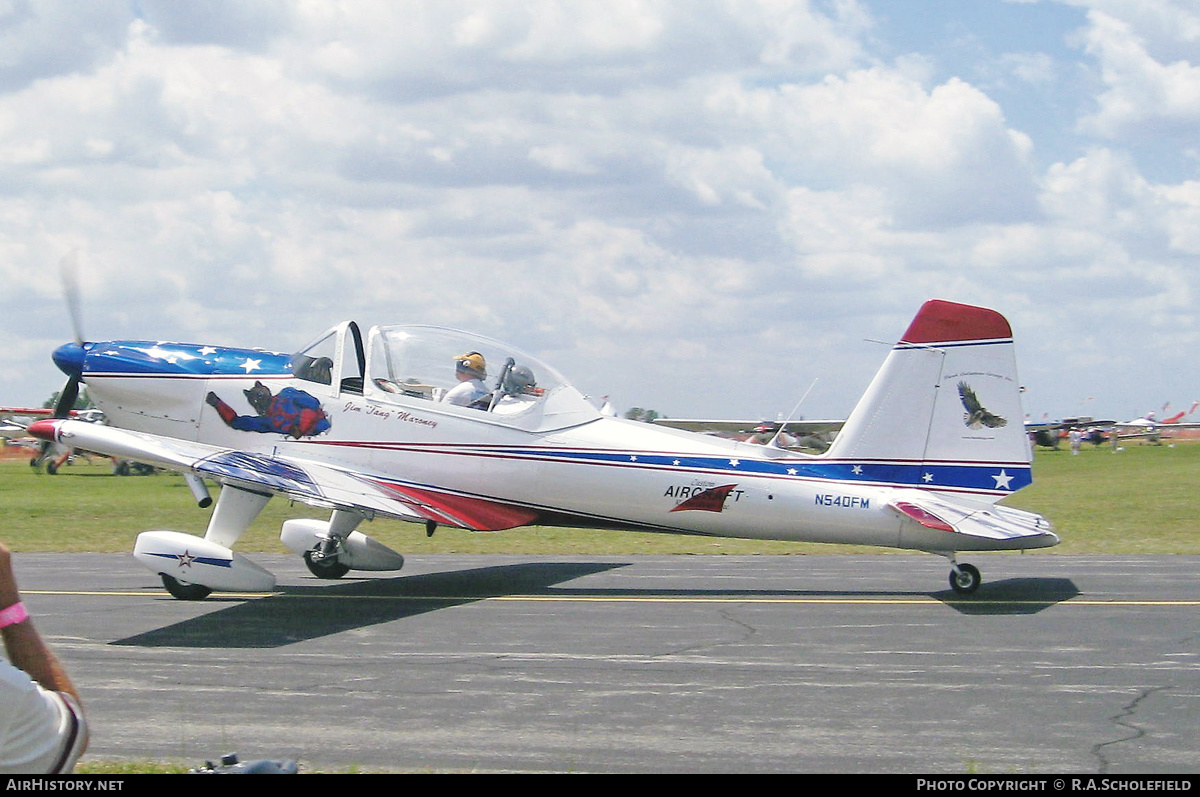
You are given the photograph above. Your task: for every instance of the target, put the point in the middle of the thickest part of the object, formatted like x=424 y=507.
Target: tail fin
x=944 y=411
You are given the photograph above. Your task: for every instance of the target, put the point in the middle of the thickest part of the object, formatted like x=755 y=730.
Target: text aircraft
x=369 y=427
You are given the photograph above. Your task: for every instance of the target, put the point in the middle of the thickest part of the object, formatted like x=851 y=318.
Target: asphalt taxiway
x=825 y=663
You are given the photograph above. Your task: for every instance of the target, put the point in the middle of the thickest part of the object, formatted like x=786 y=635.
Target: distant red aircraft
x=1179 y=416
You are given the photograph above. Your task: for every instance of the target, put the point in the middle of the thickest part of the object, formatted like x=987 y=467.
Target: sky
x=707 y=208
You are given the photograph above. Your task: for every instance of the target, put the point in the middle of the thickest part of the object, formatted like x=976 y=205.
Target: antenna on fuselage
x=774 y=440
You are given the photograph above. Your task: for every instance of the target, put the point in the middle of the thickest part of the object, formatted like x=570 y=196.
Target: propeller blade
x=67 y=398
x=68 y=269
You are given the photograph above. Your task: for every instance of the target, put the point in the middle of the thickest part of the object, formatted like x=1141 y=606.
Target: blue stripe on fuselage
x=976 y=477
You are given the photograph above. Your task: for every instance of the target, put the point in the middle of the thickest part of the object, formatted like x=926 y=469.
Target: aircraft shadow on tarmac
x=1006 y=596
x=296 y=614
x=299 y=613
x=1012 y=596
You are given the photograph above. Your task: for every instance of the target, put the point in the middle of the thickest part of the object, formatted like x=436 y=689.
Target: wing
x=310 y=482
x=739 y=427
x=969 y=401
x=992 y=421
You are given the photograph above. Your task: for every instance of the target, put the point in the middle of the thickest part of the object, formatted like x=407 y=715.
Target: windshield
x=461 y=372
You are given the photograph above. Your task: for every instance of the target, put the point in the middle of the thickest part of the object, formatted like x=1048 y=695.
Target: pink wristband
x=13 y=614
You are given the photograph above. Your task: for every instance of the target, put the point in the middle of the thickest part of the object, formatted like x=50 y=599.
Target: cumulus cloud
x=39 y=40
x=1143 y=96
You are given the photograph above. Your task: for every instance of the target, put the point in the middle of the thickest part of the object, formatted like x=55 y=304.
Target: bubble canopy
x=417 y=366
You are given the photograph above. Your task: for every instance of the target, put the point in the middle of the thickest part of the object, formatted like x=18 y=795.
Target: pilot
x=470 y=370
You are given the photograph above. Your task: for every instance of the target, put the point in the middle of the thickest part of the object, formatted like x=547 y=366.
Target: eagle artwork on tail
x=976 y=415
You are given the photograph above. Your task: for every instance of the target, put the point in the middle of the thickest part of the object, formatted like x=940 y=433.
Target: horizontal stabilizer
x=938 y=524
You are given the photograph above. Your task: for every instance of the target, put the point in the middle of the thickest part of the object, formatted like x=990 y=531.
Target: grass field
x=1142 y=499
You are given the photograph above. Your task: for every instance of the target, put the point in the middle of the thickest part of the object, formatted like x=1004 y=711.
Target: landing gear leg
x=192 y=567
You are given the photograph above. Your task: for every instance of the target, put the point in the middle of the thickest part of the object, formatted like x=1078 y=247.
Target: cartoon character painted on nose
x=292 y=412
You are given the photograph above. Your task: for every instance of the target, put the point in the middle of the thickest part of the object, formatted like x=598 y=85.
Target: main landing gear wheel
x=325 y=567
x=965 y=580
x=183 y=591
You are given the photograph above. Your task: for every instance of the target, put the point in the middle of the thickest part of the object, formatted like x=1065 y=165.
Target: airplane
x=1178 y=417
x=52 y=456
x=801 y=434
x=14 y=425
x=10 y=430
x=355 y=424
x=1151 y=429
x=15 y=419
x=1049 y=434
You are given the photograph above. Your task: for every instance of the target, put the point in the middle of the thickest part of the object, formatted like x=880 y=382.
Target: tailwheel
x=323 y=566
x=183 y=591
x=965 y=579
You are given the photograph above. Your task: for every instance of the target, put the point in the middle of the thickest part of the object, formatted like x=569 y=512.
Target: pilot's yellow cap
x=472 y=361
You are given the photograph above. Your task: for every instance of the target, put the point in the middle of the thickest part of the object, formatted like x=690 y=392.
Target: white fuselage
x=602 y=470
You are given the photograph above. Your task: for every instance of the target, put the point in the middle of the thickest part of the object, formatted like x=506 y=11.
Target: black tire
x=966 y=580
x=185 y=592
x=51 y=468
x=325 y=568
